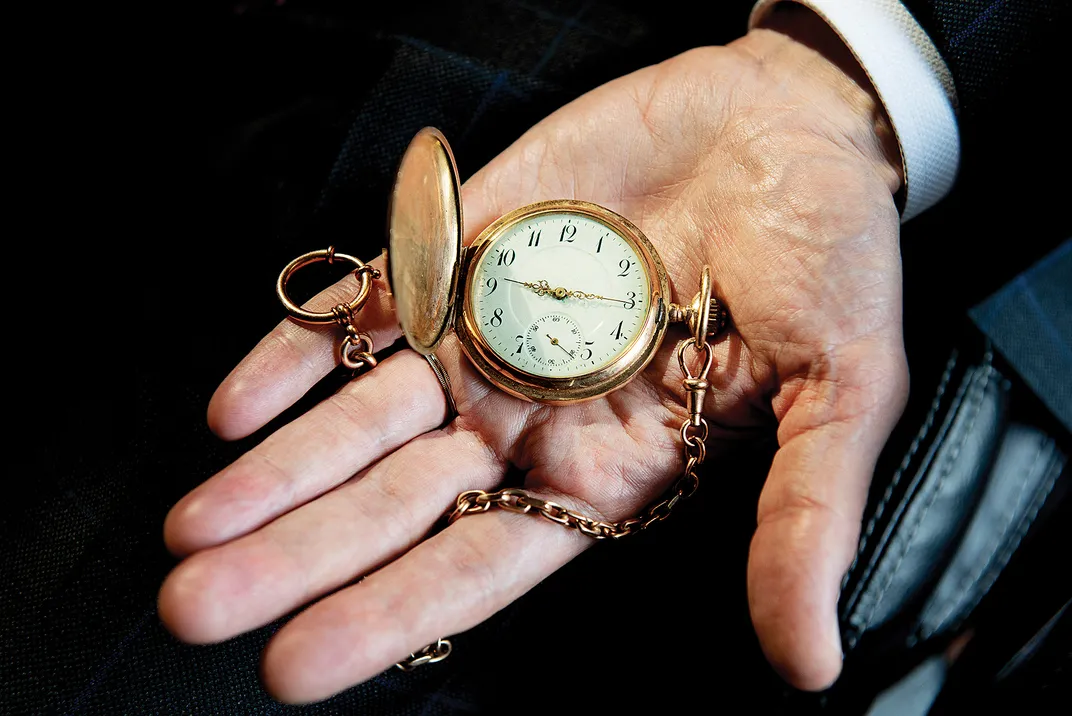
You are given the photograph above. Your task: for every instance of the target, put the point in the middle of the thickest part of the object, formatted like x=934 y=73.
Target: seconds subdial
x=553 y=340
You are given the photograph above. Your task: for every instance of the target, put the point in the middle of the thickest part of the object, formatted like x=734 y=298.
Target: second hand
x=554 y=342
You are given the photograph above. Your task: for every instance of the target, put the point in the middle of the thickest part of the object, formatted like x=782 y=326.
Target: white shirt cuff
x=912 y=82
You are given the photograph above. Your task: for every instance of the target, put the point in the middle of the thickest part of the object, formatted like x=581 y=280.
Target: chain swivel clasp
x=696 y=386
x=705 y=317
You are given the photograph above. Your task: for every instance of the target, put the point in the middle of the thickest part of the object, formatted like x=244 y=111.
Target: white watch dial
x=560 y=295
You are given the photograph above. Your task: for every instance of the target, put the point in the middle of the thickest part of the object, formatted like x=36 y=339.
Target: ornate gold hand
x=543 y=288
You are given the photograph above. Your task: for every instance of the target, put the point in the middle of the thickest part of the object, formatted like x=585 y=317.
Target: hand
x=763 y=159
x=543 y=288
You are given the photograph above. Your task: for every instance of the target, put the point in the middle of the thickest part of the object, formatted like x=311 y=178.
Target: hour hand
x=541 y=287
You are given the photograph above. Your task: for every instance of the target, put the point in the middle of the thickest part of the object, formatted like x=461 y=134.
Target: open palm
x=722 y=156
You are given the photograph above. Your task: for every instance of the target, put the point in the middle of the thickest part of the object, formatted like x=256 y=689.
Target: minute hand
x=593 y=296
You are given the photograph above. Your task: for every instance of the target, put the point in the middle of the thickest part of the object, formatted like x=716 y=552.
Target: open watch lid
x=425 y=240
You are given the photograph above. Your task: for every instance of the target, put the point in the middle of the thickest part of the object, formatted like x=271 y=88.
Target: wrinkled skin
x=762 y=159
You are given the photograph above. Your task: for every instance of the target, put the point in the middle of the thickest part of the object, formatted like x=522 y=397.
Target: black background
x=170 y=159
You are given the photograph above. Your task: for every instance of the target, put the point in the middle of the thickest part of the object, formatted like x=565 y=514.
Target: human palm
x=732 y=157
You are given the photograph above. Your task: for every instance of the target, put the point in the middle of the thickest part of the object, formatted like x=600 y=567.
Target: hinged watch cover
x=425 y=240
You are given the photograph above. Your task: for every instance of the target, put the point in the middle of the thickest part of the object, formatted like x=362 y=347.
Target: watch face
x=560 y=294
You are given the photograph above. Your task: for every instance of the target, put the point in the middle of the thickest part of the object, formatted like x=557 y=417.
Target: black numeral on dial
x=492 y=284
x=586 y=353
x=617 y=332
x=496 y=318
x=520 y=344
x=624 y=265
x=568 y=232
x=534 y=238
x=507 y=257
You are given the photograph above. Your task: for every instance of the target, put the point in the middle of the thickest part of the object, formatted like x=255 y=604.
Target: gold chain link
x=694 y=431
x=428 y=655
x=357 y=348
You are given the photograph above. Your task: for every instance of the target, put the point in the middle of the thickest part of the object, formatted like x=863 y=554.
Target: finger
x=365 y=420
x=443 y=586
x=293 y=357
x=225 y=591
x=810 y=511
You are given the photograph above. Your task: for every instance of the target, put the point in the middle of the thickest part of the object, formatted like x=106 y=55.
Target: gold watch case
x=430 y=276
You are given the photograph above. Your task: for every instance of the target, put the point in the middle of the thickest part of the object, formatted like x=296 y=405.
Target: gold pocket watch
x=555 y=302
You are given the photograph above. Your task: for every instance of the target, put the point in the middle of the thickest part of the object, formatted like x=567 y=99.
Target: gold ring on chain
x=444 y=382
x=362 y=271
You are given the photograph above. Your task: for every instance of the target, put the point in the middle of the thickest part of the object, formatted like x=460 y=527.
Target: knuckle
x=474 y=571
x=255 y=478
x=397 y=499
x=352 y=410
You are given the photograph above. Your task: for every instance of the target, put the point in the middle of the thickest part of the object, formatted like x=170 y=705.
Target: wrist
x=803 y=54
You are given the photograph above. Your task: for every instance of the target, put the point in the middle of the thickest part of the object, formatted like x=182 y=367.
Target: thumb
x=833 y=424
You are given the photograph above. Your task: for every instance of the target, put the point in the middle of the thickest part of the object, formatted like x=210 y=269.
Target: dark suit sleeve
x=991 y=45
x=1009 y=63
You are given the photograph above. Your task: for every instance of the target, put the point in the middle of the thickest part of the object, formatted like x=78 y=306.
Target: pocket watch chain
x=356 y=350
x=694 y=431
x=705 y=318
